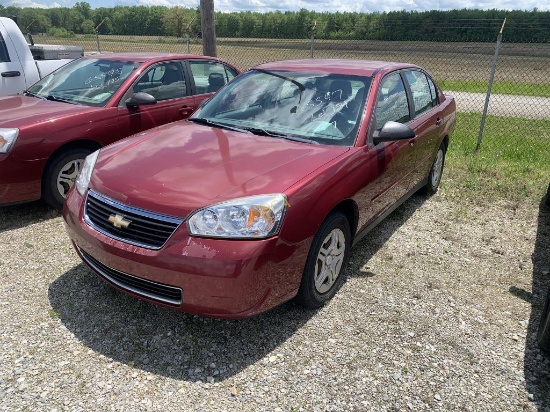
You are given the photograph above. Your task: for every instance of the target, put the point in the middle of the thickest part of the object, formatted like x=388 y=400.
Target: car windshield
x=316 y=108
x=85 y=81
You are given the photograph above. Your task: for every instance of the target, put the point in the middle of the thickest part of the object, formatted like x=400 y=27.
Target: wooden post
x=208 y=28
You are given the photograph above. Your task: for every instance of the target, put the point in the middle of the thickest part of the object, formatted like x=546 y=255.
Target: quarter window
x=392 y=104
x=433 y=91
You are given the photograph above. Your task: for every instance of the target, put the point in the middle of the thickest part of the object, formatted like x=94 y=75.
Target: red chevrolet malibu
x=258 y=197
x=46 y=133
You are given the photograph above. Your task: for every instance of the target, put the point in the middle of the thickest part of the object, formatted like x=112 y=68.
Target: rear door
x=168 y=83
x=12 y=75
x=426 y=119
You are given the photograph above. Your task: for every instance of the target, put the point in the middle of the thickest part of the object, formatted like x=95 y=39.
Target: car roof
x=141 y=57
x=341 y=66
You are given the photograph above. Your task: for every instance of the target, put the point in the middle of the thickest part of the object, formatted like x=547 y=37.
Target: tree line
x=453 y=25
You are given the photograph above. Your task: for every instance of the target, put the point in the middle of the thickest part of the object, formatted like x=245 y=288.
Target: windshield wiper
x=271 y=133
x=59 y=99
x=209 y=122
x=27 y=93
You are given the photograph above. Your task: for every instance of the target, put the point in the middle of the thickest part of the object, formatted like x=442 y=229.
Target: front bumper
x=210 y=277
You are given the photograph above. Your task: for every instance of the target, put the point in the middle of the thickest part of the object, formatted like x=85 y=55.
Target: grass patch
x=512 y=162
x=514 y=88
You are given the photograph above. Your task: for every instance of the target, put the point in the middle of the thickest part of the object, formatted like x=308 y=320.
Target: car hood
x=19 y=111
x=177 y=168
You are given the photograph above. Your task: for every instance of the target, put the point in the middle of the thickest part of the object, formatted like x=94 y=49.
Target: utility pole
x=208 y=28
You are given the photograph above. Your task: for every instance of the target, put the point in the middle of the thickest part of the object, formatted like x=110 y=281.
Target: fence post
x=313 y=38
x=208 y=28
x=97 y=34
x=489 y=87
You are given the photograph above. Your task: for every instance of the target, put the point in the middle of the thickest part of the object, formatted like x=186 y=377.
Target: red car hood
x=177 y=168
x=19 y=111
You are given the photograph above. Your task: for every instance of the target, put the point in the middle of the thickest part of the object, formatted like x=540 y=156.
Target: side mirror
x=140 y=99
x=392 y=131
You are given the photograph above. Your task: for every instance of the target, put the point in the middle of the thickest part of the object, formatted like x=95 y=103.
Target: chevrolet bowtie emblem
x=119 y=221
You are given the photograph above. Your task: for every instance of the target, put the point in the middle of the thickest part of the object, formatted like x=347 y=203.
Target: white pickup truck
x=21 y=64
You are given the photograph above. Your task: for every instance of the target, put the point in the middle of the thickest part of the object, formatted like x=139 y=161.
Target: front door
x=390 y=164
x=166 y=82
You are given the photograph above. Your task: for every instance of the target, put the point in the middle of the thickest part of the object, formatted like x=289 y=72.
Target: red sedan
x=258 y=197
x=46 y=133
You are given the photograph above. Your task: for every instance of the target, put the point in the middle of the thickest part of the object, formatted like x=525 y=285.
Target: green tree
x=87 y=27
x=83 y=8
x=33 y=20
x=177 y=19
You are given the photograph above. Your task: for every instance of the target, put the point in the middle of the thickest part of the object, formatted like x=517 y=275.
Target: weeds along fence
x=498 y=84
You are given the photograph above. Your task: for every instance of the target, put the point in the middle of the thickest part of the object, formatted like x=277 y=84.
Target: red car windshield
x=89 y=82
x=315 y=108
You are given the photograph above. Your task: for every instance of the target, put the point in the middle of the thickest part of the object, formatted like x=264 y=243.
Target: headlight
x=248 y=217
x=85 y=174
x=7 y=139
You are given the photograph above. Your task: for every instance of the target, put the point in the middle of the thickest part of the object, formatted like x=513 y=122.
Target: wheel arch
x=445 y=141
x=349 y=209
x=74 y=144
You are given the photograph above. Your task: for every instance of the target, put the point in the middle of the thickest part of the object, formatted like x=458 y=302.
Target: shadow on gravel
x=367 y=247
x=182 y=346
x=165 y=342
x=16 y=216
x=536 y=367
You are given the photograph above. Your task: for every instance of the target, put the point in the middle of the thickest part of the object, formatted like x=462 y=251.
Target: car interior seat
x=173 y=84
x=215 y=82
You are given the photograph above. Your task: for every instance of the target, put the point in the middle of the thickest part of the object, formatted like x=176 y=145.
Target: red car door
x=168 y=84
x=427 y=118
x=390 y=165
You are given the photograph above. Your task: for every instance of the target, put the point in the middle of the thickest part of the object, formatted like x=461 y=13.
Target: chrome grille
x=146 y=229
x=143 y=287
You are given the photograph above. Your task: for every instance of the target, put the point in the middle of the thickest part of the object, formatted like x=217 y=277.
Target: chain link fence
x=520 y=72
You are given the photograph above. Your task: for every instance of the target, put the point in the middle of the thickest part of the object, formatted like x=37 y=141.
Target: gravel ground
x=439 y=312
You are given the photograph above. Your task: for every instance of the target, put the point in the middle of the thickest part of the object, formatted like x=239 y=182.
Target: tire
x=61 y=174
x=543 y=335
x=436 y=171
x=326 y=262
x=548 y=196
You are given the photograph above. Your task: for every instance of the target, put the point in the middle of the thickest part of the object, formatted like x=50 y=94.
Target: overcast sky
x=314 y=5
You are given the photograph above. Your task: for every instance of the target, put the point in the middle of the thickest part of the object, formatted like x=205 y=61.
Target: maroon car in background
x=258 y=197
x=46 y=133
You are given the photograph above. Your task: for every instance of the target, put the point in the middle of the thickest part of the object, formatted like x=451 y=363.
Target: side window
x=421 y=93
x=210 y=76
x=433 y=92
x=392 y=101
x=163 y=81
x=4 y=56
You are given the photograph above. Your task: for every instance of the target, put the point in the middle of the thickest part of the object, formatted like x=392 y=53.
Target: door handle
x=438 y=122
x=11 y=74
x=186 y=111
